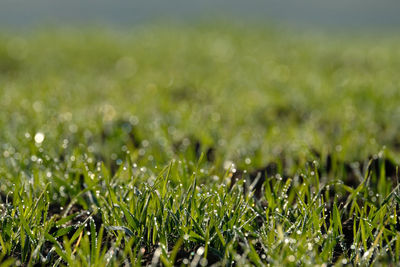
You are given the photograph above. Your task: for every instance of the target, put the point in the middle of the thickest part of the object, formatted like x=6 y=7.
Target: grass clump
x=198 y=145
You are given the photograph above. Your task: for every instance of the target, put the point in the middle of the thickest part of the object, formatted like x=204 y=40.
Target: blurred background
x=254 y=80
x=338 y=14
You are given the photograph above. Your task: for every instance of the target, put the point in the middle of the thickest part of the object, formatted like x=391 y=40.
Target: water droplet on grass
x=39 y=137
x=203 y=262
x=200 y=251
x=291 y=258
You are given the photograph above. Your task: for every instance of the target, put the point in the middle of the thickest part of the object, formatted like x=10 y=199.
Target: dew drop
x=39 y=137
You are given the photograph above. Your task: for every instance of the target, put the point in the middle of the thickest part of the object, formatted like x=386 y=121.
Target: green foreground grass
x=198 y=145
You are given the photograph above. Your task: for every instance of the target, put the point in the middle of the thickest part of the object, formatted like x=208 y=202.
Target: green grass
x=215 y=144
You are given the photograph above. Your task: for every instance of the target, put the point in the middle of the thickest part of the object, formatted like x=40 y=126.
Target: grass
x=225 y=145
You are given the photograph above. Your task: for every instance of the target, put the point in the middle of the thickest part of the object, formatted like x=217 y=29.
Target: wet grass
x=198 y=145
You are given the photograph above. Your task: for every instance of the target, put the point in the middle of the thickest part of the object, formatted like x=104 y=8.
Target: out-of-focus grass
x=126 y=115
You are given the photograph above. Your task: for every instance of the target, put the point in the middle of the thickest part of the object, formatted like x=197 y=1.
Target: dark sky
x=342 y=14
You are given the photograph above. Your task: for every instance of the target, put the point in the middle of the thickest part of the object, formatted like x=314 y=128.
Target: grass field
x=173 y=145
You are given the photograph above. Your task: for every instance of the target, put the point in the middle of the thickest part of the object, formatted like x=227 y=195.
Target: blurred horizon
x=342 y=15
